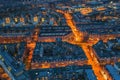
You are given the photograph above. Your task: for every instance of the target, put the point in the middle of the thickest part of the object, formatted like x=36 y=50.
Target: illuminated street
x=60 y=40
x=70 y=22
x=98 y=70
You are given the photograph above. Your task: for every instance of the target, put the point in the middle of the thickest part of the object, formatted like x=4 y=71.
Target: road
x=96 y=66
x=6 y=70
x=78 y=35
x=31 y=44
x=37 y=65
x=100 y=73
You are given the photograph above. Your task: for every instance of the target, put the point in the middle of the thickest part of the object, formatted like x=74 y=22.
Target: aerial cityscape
x=59 y=39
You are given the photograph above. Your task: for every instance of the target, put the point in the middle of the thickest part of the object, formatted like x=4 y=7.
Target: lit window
x=21 y=19
x=7 y=20
x=35 y=19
